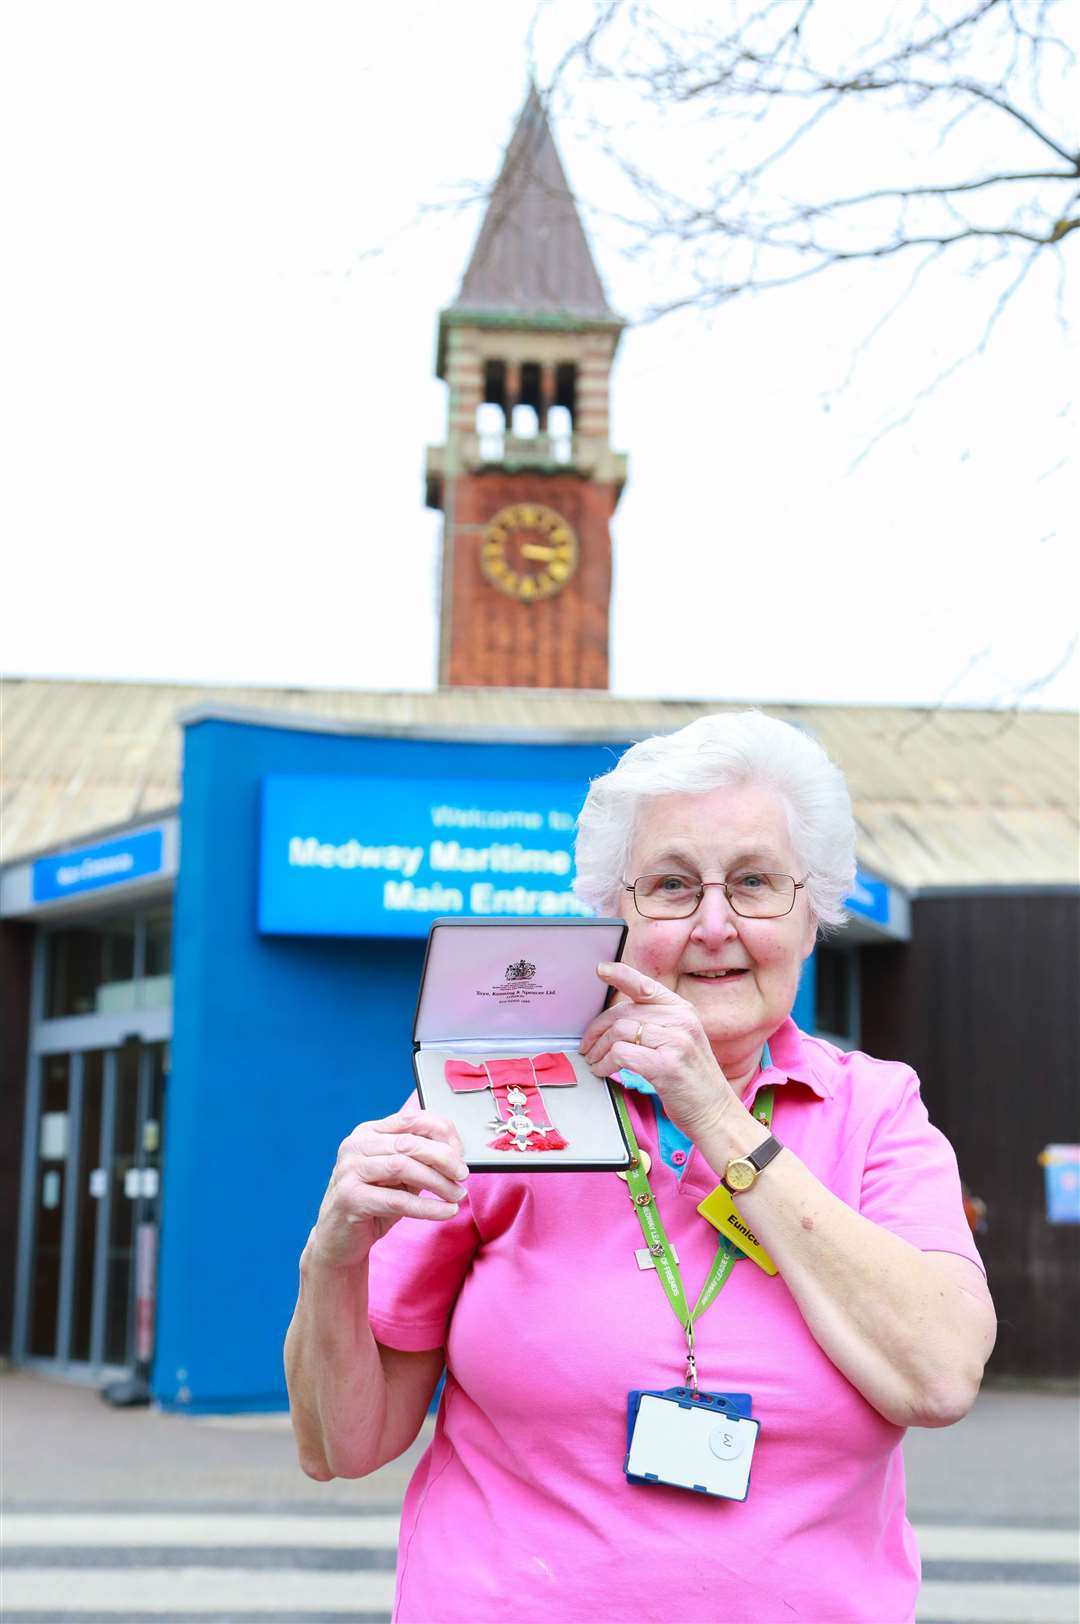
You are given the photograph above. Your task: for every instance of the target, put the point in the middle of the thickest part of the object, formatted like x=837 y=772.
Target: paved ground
x=1015 y=1459
x=125 y=1516
x=64 y=1448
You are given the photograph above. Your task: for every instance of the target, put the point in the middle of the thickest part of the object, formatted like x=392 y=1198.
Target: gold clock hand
x=542 y=554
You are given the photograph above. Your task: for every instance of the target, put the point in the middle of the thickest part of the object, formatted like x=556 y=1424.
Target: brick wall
x=491 y=640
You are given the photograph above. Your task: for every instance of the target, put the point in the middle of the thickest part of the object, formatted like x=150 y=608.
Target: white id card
x=692 y=1447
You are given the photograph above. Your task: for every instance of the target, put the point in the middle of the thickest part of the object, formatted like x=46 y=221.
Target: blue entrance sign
x=93 y=868
x=868 y=899
x=385 y=856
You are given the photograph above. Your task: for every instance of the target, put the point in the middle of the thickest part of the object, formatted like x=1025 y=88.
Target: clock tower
x=526 y=480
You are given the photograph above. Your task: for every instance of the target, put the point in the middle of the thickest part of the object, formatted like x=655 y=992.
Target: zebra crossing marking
x=157 y=1592
x=298 y=1565
x=226 y=1528
x=971 y=1543
x=970 y=1602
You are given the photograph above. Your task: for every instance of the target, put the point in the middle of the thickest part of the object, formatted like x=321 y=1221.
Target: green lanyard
x=727 y=1255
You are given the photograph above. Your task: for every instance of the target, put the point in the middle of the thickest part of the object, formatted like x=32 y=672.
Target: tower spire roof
x=532 y=257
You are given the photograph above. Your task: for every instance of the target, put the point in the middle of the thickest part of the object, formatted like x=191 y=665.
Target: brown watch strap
x=763 y=1155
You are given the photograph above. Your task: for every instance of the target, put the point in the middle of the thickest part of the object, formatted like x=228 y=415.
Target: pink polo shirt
x=520 y=1510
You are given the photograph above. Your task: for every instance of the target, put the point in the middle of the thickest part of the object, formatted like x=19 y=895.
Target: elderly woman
x=726 y=847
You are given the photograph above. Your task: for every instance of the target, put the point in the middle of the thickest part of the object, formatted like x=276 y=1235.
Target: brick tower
x=527 y=481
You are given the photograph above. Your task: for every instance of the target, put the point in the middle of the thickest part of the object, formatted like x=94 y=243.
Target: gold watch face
x=528 y=551
x=740 y=1175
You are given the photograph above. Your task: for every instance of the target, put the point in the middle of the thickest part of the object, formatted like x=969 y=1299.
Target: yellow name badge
x=722 y=1213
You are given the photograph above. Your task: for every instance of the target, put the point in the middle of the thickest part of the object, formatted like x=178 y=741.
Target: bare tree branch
x=774 y=82
x=825 y=136
x=954 y=366
x=812 y=209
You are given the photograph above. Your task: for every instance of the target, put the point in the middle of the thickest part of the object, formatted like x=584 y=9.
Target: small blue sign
x=354 y=856
x=1061 y=1165
x=94 y=868
x=868 y=899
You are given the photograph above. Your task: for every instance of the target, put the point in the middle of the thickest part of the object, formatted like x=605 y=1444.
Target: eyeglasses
x=752 y=895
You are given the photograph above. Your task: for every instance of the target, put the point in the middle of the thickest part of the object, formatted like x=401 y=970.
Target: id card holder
x=699 y=1441
x=741 y=1403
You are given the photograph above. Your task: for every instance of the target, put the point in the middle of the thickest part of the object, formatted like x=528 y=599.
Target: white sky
x=220 y=293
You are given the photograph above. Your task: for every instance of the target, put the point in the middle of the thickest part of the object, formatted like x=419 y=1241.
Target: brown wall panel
x=983 y=1003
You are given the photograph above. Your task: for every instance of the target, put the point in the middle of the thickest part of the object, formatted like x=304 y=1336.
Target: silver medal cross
x=518 y=1123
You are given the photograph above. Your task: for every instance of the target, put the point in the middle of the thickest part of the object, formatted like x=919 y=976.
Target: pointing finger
x=632 y=984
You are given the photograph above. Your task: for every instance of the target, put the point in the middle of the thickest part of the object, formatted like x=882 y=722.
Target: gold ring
x=637 y=1034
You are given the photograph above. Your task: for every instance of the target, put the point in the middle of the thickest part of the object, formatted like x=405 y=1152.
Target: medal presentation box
x=502 y=1008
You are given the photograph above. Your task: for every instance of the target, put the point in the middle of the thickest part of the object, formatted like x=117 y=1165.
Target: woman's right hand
x=381 y=1169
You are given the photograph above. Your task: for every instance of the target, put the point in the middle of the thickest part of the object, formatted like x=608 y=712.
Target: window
x=155 y=989
x=157 y=957
x=495 y=384
x=566 y=387
x=529 y=389
x=836 y=995
x=109 y=965
x=491 y=430
x=560 y=434
x=84 y=964
x=525 y=423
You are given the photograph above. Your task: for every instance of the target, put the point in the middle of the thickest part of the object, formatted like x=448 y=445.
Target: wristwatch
x=740 y=1174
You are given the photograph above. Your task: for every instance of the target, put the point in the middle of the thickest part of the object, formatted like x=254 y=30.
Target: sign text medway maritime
x=383 y=855
x=450 y=857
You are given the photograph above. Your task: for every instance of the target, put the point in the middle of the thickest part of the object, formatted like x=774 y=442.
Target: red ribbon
x=527 y=1073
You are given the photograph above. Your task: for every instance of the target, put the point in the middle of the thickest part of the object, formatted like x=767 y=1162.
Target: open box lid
x=513 y=980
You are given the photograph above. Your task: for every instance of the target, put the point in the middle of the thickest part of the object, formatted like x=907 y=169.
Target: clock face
x=528 y=551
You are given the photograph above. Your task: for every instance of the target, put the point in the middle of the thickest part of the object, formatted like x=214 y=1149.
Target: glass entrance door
x=97 y=1200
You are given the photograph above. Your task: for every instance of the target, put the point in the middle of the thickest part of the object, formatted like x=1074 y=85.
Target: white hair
x=714 y=752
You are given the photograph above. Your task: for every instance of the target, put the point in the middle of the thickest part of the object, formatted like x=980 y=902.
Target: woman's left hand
x=658 y=1035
